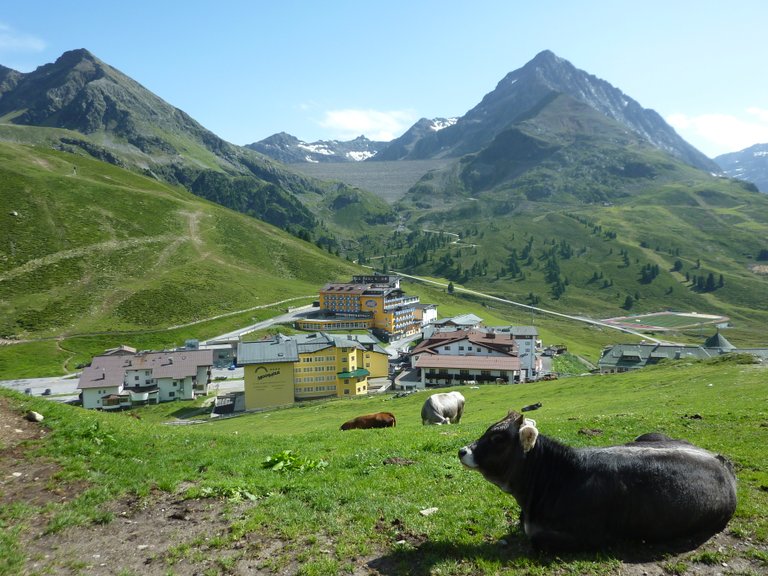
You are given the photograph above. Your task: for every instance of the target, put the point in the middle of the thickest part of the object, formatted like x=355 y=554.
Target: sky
x=338 y=69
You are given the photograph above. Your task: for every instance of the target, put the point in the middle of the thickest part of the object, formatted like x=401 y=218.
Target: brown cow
x=378 y=420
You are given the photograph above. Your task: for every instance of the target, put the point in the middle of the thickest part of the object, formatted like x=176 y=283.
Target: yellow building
x=282 y=370
x=371 y=302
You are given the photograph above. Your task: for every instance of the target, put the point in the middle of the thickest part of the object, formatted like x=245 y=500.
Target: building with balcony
x=281 y=370
x=373 y=302
x=449 y=357
x=122 y=378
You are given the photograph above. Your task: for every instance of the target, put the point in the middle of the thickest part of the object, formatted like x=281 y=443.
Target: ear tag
x=528 y=434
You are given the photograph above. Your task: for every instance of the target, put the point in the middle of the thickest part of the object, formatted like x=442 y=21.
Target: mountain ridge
x=750 y=164
x=119 y=121
x=288 y=149
x=520 y=91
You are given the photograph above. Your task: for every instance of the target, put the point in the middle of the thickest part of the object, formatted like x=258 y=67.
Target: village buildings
x=122 y=377
x=375 y=303
x=459 y=350
x=625 y=357
x=281 y=370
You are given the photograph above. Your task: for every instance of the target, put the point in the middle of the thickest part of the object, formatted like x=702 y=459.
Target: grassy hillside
x=357 y=501
x=690 y=246
x=89 y=247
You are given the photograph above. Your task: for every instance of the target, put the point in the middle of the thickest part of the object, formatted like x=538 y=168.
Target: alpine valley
x=122 y=213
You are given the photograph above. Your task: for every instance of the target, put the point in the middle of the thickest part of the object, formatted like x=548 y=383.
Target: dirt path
x=108 y=246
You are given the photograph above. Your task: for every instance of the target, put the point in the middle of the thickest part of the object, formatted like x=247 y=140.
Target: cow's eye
x=497 y=439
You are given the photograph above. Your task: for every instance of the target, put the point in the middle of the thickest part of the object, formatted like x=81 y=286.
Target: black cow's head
x=499 y=453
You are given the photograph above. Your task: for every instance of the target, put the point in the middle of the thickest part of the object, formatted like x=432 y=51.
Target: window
x=171 y=394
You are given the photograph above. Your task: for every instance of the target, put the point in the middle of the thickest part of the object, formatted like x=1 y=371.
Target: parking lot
x=62 y=389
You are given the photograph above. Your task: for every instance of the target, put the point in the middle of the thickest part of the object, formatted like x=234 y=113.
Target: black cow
x=653 y=489
x=531 y=407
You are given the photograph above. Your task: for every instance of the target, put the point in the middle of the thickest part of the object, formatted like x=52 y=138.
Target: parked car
x=47 y=392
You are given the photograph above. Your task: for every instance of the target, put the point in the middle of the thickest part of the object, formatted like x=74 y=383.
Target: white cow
x=444 y=408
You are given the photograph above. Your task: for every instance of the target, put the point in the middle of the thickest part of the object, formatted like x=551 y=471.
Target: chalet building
x=425 y=314
x=284 y=369
x=122 y=378
x=375 y=303
x=625 y=357
x=461 y=356
x=528 y=345
x=526 y=339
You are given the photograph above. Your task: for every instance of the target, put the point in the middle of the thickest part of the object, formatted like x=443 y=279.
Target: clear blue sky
x=336 y=69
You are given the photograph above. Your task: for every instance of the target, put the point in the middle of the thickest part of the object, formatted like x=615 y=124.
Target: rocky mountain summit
x=750 y=164
x=288 y=149
x=520 y=94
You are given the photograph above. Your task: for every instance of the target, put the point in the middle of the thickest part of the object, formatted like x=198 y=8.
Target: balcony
x=392 y=303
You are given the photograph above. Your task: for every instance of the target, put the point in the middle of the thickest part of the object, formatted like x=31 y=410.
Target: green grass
x=358 y=506
x=107 y=250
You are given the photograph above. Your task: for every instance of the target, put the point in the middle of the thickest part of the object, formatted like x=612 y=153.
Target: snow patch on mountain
x=442 y=123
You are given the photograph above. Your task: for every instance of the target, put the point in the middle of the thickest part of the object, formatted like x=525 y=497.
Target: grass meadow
x=333 y=498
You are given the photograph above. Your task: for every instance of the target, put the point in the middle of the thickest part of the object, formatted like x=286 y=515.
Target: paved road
x=63 y=389
x=282 y=319
x=536 y=308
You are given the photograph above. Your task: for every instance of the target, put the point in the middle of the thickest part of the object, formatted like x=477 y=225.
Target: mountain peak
x=546 y=56
x=75 y=58
x=521 y=93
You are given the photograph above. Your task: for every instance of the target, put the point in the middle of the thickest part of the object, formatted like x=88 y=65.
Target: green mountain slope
x=81 y=105
x=86 y=246
x=568 y=210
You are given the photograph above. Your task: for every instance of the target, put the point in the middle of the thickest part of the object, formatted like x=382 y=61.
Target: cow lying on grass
x=378 y=420
x=652 y=489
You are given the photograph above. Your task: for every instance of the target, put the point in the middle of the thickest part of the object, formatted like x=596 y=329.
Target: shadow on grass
x=185 y=413
x=515 y=552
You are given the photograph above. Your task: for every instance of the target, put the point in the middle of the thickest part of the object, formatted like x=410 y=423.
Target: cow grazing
x=652 y=489
x=378 y=420
x=444 y=408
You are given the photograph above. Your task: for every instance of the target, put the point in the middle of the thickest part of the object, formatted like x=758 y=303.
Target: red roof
x=495 y=341
x=469 y=362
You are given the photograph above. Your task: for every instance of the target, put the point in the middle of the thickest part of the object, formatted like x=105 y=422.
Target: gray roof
x=461 y=320
x=266 y=351
x=516 y=330
x=287 y=348
x=717 y=340
x=108 y=370
x=631 y=356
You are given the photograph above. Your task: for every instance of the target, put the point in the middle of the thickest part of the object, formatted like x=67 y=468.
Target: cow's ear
x=528 y=434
